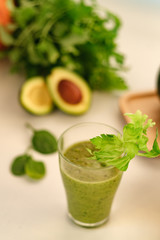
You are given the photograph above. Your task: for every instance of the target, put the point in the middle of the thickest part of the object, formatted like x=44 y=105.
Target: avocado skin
x=33 y=113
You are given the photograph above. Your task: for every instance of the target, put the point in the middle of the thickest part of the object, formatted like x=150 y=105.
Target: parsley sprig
x=118 y=150
x=74 y=34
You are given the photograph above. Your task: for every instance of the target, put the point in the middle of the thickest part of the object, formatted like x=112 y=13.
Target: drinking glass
x=89 y=190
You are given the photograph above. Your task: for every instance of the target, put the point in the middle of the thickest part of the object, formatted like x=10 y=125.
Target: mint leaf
x=119 y=150
x=18 y=165
x=35 y=169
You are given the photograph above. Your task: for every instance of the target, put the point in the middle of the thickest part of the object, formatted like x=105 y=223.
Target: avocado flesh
x=39 y=96
x=35 y=97
x=78 y=107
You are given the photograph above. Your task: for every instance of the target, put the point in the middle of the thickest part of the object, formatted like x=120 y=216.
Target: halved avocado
x=35 y=97
x=69 y=91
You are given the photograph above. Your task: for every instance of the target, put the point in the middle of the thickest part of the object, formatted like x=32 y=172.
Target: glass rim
x=75 y=125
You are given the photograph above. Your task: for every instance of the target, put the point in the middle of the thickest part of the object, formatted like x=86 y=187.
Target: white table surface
x=32 y=210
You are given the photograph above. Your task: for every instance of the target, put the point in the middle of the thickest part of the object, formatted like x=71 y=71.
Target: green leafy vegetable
x=43 y=141
x=118 y=150
x=25 y=164
x=35 y=169
x=5 y=36
x=18 y=165
x=73 y=34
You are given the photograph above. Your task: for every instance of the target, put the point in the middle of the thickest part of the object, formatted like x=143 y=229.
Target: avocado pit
x=69 y=91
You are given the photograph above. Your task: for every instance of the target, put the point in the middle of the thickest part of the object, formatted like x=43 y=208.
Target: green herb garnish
x=117 y=150
x=74 y=34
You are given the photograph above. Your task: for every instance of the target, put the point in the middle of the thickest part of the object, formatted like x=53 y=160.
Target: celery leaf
x=118 y=151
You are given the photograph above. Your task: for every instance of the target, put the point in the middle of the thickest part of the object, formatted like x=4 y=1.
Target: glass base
x=88 y=225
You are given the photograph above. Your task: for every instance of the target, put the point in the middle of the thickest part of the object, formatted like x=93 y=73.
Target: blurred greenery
x=76 y=35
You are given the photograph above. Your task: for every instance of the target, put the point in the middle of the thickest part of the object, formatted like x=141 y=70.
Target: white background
x=32 y=210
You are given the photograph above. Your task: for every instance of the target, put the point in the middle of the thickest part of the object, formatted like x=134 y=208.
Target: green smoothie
x=90 y=186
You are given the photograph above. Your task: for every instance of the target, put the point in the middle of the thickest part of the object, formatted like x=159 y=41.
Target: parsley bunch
x=117 y=150
x=73 y=34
